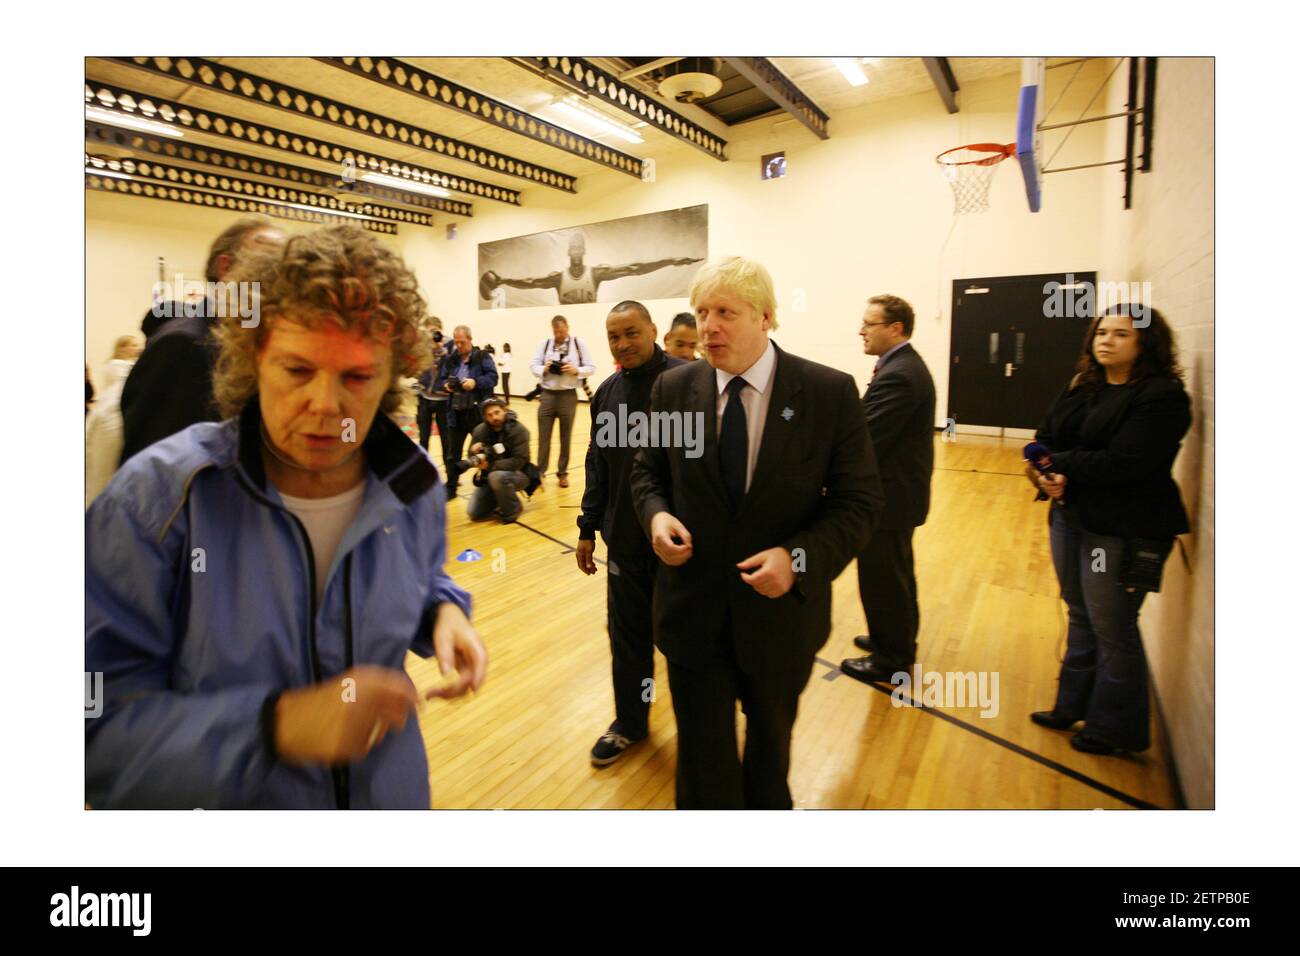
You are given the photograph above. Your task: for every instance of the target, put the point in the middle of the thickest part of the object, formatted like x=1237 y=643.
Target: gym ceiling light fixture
x=131 y=122
x=851 y=67
x=595 y=120
x=393 y=182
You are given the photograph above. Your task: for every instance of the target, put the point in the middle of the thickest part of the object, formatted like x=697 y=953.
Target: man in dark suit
x=170 y=385
x=751 y=529
x=899 y=406
x=607 y=507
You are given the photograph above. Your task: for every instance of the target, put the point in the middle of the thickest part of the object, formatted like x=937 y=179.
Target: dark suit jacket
x=815 y=488
x=170 y=386
x=1116 y=448
x=899 y=404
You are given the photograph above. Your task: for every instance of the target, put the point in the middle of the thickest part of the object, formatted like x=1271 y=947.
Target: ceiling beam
x=101 y=134
x=587 y=79
x=650 y=67
x=778 y=87
x=165 y=174
x=168 y=112
x=111 y=181
x=945 y=82
x=206 y=74
x=432 y=89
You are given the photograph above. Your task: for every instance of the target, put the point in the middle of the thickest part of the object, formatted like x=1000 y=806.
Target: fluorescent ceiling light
x=107 y=172
x=852 y=70
x=594 y=120
x=131 y=122
x=380 y=179
x=328 y=211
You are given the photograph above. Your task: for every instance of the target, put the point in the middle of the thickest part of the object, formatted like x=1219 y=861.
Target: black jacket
x=899 y=404
x=170 y=386
x=513 y=435
x=1116 y=447
x=815 y=491
x=607 y=500
x=482 y=370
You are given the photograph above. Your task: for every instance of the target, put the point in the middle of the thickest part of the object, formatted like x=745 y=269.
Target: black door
x=1015 y=340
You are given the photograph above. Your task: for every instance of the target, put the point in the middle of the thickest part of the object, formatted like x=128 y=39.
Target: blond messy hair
x=338 y=274
x=741 y=277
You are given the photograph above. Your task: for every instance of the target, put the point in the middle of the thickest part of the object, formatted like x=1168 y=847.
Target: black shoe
x=1094 y=745
x=1052 y=720
x=863 y=642
x=869 y=670
x=611 y=746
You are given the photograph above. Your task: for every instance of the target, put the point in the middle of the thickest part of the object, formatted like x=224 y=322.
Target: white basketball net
x=970 y=173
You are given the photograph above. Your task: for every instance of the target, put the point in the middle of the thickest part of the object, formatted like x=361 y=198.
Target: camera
x=470 y=463
x=556 y=367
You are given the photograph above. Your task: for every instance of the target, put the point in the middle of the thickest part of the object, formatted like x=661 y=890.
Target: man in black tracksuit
x=607 y=506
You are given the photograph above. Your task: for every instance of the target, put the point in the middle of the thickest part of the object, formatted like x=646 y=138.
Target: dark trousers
x=1104 y=675
x=452 y=450
x=629 y=591
x=559 y=404
x=887 y=586
x=710 y=775
x=424 y=419
x=505 y=384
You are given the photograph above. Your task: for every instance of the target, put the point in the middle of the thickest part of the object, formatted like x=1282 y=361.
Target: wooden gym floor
x=989 y=602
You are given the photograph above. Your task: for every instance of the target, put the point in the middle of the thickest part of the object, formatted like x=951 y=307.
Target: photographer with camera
x=433 y=400
x=499 y=459
x=467 y=375
x=1104 y=456
x=554 y=364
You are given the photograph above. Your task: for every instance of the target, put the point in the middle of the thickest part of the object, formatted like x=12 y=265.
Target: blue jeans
x=1104 y=676
x=499 y=493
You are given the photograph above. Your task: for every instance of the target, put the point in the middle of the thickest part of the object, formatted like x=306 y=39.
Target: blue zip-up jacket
x=200 y=610
x=484 y=373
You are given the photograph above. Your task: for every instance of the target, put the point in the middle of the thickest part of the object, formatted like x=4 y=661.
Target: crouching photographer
x=499 y=460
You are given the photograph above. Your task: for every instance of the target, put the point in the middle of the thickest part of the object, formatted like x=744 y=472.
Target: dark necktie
x=733 y=443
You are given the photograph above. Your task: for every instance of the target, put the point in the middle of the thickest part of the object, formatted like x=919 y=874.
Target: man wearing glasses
x=899 y=405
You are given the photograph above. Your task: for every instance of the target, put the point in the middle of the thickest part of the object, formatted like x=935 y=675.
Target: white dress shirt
x=756 y=396
x=577 y=354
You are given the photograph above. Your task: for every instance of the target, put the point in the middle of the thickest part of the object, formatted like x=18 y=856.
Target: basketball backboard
x=1029 y=117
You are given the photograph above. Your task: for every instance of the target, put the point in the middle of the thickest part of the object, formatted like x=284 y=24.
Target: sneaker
x=610 y=747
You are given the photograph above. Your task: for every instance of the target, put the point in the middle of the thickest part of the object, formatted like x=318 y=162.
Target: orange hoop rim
x=1000 y=152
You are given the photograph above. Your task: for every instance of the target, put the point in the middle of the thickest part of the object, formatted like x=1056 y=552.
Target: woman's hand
x=1053 y=486
x=458 y=647
x=342 y=719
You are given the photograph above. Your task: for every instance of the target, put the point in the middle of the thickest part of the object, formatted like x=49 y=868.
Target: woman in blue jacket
x=253 y=585
x=1113 y=434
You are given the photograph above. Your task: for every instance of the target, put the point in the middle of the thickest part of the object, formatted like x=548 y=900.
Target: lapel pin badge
x=787 y=413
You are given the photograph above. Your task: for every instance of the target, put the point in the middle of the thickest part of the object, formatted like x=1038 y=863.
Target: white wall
x=1167 y=239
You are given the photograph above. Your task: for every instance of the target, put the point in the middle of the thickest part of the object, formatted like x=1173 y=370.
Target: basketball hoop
x=969 y=170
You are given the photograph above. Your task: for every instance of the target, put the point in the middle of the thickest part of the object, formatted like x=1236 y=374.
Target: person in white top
x=554 y=365
x=579 y=282
x=104 y=424
x=504 y=362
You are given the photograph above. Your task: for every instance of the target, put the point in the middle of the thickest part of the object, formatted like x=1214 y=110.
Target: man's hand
x=670 y=539
x=1054 y=486
x=568 y=368
x=586 y=555
x=483 y=465
x=458 y=647
x=770 y=572
x=340 y=720
x=475 y=448
x=468 y=384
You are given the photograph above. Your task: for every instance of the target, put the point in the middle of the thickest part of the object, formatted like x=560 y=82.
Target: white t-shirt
x=326 y=521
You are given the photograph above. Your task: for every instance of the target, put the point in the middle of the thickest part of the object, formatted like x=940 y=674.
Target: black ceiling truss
x=140 y=142
x=944 y=80
x=430 y=88
x=154 y=108
x=206 y=74
x=145 y=169
x=244 y=204
x=576 y=74
x=777 y=87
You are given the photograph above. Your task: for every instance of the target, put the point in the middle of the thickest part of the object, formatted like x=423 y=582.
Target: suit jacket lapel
x=778 y=429
x=704 y=399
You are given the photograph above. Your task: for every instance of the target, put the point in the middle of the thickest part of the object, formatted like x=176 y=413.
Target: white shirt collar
x=758 y=376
